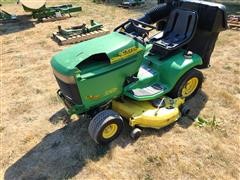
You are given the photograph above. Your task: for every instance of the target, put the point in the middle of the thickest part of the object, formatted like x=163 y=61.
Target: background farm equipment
x=41 y=12
x=131 y=3
x=6 y=17
x=234 y=22
x=79 y=33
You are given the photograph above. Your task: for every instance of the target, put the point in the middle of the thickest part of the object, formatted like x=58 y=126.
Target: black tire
x=185 y=109
x=99 y=123
x=136 y=133
x=177 y=90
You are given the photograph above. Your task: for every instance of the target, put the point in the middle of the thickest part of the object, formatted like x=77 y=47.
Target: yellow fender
x=144 y=114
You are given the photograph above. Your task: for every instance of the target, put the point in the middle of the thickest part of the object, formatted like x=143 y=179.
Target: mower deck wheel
x=105 y=126
x=185 y=109
x=136 y=133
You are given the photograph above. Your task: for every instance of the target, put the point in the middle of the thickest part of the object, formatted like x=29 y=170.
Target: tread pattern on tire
x=99 y=119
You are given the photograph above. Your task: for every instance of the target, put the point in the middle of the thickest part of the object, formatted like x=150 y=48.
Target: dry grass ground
x=34 y=148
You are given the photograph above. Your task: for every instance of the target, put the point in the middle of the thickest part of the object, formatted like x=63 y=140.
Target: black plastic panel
x=70 y=91
x=179 y=30
x=211 y=21
x=211 y=16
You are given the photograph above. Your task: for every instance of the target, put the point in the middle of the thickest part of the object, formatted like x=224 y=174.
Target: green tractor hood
x=112 y=45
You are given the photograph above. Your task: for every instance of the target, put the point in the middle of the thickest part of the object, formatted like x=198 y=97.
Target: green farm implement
x=144 y=79
x=79 y=33
x=234 y=22
x=131 y=3
x=42 y=13
x=6 y=17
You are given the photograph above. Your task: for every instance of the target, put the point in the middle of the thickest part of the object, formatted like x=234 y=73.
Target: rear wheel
x=105 y=126
x=188 y=85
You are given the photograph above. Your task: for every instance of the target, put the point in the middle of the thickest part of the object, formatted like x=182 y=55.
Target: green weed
x=202 y=122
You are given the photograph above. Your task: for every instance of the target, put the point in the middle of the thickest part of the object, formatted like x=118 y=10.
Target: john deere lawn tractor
x=132 y=75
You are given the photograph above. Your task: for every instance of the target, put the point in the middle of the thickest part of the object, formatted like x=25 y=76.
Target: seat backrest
x=181 y=23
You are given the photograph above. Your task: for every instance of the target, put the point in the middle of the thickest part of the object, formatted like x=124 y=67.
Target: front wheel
x=188 y=85
x=105 y=126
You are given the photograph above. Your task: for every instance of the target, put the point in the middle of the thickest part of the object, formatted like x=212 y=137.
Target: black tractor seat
x=179 y=30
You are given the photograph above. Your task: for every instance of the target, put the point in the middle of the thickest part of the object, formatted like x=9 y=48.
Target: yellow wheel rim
x=190 y=87
x=110 y=131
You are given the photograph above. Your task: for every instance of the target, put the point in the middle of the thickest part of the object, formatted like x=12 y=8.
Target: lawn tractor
x=140 y=77
x=6 y=17
x=131 y=3
x=41 y=12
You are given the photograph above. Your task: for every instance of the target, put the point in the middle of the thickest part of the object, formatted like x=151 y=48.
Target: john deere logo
x=125 y=54
x=93 y=97
x=106 y=93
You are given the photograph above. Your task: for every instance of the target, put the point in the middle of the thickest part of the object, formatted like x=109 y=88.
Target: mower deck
x=147 y=114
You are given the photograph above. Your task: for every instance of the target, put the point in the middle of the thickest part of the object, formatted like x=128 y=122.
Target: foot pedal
x=148 y=91
x=146 y=71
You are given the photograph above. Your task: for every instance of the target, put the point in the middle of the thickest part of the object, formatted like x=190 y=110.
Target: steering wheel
x=135 y=28
x=141 y=28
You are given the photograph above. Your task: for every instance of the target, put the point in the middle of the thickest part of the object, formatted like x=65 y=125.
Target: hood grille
x=70 y=91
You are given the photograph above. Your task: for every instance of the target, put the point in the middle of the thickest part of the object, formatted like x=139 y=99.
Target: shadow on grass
x=21 y=24
x=60 y=155
x=60 y=116
x=196 y=104
x=63 y=153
